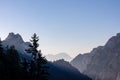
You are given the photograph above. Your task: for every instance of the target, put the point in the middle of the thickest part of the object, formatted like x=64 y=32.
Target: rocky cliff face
x=103 y=62
x=81 y=61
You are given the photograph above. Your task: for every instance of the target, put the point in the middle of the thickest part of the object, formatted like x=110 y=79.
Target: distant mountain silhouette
x=64 y=56
x=103 y=62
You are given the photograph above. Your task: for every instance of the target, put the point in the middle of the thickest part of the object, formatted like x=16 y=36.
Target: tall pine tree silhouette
x=37 y=70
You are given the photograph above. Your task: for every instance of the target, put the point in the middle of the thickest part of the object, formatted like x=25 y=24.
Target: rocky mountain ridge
x=101 y=63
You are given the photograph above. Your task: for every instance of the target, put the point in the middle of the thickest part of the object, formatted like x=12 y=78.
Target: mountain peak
x=113 y=41
x=13 y=36
x=118 y=34
x=20 y=45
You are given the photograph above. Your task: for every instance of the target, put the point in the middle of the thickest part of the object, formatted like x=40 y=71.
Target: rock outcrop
x=101 y=63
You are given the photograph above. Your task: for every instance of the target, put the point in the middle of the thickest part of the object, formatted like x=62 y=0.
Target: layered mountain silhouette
x=103 y=62
x=59 y=70
x=64 y=56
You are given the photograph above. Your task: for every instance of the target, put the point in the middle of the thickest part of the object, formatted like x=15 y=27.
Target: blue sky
x=71 y=26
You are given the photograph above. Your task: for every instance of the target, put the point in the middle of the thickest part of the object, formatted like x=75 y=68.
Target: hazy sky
x=71 y=26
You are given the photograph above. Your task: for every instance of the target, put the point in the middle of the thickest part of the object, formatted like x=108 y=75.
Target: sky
x=70 y=26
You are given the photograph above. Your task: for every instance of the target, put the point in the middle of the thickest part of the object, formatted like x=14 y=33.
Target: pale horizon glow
x=70 y=26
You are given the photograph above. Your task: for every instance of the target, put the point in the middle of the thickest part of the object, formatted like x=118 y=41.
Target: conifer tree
x=34 y=45
x=2 y=65
x=42 y=68
x=1 y=50
x=13 y=55
x=13 y=63
x=37 y=64
x=24 y=67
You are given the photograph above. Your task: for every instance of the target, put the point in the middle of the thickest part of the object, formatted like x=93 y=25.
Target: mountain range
x=103 y=62
x=59 y=70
